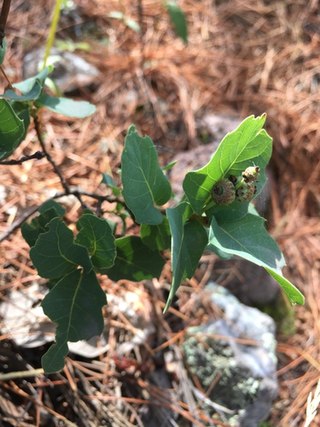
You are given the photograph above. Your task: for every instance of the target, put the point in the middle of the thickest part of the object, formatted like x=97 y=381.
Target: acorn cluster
x=233 y=188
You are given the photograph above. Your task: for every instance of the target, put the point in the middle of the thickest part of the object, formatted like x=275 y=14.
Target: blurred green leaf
x=28 y=85
x=132 y=24
x=3 y=49
x=12 y=129
x=66 y=107
x=169 y=166
x=29 y=96
x=144 y=185
x=116 y=14
x=129 y=22
x=71 y=46
x=108 y=180
x=178 y=20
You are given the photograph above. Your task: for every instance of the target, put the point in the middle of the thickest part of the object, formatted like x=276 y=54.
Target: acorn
x=251 y=174
x=223 y=192
x=246 y=191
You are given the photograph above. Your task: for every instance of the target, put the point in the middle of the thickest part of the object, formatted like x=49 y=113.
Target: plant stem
x=3 y=18
x=6 y=77
x=76 y=193
x=48 y=155
x=21 y=374
x=38 y=155
x=52 y=31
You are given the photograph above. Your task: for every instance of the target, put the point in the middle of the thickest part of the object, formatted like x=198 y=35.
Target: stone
x=71 y=71
x=234 y=358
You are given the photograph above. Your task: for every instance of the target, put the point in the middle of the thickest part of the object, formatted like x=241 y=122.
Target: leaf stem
x=52 y=31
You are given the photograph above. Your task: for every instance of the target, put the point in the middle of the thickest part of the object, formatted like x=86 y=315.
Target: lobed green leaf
x=96 y=235
x=75 y=305
x=48 y=211
x=144 y=185
x=55 y=254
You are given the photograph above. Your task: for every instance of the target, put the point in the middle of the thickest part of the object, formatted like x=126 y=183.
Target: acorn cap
x=251 y=173
x=223 y=192
x=246 y=192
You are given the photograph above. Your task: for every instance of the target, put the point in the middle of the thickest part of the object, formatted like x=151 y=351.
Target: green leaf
x=144 y=184
x=108 y=180
x=294 y=295
x=132 y=24
x=235 y=210
x=66 y=107
x=31 y=84
x=23 y=112
x=48 y=211
x=248 y=239
x=30 y=96
x=245 y=146
x=135 y=261
x=156 y=237
x=169 y=166
x=51 y=204
x=12 y=129
x=96 y=235
x=189 y=240
x=116 y=14
x=74 y=304
x=55 y=254
x=129 y=22
x=178 y=20
x=3 y=49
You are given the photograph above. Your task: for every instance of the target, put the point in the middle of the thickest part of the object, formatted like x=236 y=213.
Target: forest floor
x=242 y=58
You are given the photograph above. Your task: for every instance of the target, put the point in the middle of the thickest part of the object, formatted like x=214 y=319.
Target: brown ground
x=244 y=57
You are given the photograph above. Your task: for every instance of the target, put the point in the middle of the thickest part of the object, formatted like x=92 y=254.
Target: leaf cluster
x=72 y=262
x=19 y=103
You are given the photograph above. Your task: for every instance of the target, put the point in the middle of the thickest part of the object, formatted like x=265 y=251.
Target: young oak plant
x=215 y=214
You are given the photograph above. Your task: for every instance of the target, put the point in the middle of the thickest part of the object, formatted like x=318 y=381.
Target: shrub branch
x=38 y=155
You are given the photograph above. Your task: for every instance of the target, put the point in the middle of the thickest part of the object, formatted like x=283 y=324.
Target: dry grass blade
x=313 y=403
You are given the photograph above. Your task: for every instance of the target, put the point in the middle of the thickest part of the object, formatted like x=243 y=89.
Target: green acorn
x=251 y=174
x=223 y=192
x=246 y=191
